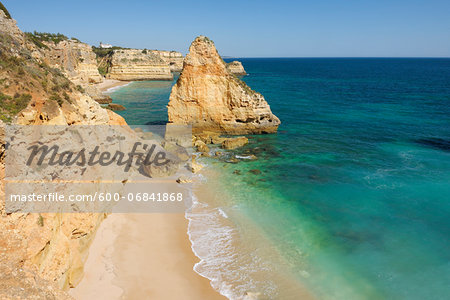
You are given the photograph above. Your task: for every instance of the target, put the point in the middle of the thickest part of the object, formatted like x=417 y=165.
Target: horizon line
x=434 y=57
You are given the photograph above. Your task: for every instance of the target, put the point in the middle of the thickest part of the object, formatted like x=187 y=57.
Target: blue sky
x=247 y=28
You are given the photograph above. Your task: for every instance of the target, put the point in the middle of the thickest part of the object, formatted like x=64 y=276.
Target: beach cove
x=315 y=187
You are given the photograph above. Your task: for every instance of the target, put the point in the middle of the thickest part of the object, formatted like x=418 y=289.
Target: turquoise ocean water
x=353 y=196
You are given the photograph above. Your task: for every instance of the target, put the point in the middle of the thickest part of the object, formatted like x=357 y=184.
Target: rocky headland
x=209 y=97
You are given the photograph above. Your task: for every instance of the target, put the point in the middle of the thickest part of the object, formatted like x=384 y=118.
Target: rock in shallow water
x=234 y=143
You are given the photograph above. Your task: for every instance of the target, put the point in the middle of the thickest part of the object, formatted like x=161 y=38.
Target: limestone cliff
x=209 y=97
x=78 y=63
x=135 y=64
x=76 y=60
x=48 y=249
x=236 y=68
x=173 y=58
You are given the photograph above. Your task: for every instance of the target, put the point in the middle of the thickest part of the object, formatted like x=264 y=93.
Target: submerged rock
x=208 y=97
x=255 y=171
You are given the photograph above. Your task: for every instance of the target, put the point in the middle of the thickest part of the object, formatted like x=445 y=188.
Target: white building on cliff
x=105 y=46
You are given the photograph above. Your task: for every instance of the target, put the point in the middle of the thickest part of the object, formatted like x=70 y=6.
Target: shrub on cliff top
x=39 y=37
x=2 y=7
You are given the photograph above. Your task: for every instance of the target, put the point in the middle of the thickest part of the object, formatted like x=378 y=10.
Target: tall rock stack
x=210 y=98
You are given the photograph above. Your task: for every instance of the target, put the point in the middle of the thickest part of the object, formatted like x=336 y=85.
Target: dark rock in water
x=237 y=172
x=436 y=143
x=233 y=160
x=314 y=177
x=255 y=171
x=104 y=100
x=115 y=107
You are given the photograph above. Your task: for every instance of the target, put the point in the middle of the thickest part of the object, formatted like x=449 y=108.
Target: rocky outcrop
x=77 y=61
x=94 y=92
x=209 y=97
x=236 y=68
x=135 y=64
x=48 y=249
x=173 y=58
x=234 y=143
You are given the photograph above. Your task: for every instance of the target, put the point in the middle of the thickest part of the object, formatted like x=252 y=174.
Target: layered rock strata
x=173 y=58
x=208 y=97
x=135 y=64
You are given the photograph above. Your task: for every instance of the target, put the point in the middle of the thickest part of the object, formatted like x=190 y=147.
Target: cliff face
x=173 y=58
x=77 y=61
x=209 y=97
x=236 y=68
x=135 y=64
x=52 y=250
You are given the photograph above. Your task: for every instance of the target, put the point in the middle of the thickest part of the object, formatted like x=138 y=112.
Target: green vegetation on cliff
x=2 y=7
x=104 y=58
x=38 y=38
x=22 y=75
x=11 y=106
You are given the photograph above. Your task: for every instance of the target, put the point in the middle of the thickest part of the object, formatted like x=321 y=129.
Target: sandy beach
x=143 y=256
x=110 y=83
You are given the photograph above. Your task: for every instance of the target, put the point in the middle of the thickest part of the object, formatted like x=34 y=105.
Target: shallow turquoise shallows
x=354 y=189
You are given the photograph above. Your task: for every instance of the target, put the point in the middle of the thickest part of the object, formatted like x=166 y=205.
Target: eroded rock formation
x=135 y=64
x=49 y=249
x=76 y=60
x=209 y=97
x=236 y=68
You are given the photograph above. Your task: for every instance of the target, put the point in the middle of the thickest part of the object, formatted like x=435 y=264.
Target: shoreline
x=109 y=85
x=224 y=251
x=136 y=256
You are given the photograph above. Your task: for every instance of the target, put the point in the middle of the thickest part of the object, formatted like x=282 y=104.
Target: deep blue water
x=355 y=186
